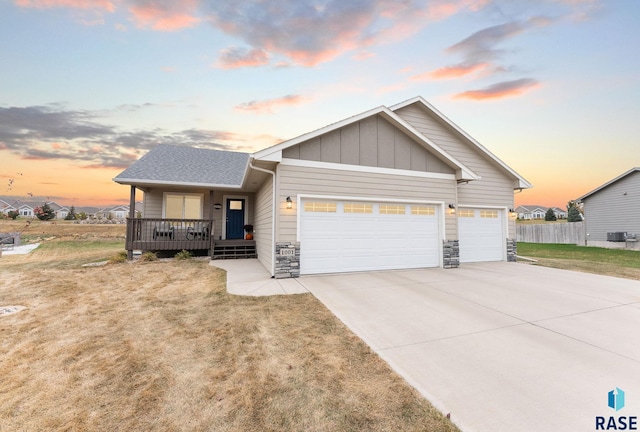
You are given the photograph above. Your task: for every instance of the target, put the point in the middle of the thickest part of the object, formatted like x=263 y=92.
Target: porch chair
x=198 y=230
x=163 y=229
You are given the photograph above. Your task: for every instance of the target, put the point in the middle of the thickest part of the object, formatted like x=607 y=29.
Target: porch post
x=211 y=236
x=132 y=215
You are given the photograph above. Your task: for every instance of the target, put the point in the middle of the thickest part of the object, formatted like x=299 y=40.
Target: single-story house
x=5 y=207
x=391 y=188
x=619 y=228
x=532 y=212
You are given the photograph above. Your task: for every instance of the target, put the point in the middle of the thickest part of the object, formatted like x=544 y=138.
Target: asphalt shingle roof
x=187 y=166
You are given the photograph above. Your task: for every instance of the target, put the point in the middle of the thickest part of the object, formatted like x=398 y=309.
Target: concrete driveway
x=501 y=346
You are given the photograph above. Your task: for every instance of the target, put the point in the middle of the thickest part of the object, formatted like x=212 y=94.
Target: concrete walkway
x=249 y=277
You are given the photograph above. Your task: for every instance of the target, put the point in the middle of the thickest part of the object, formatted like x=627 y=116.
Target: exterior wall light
x=217 y=206
x=452 y=208
x=289 y=203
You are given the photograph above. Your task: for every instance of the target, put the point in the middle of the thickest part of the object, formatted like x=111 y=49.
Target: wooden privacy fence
x=565 y=233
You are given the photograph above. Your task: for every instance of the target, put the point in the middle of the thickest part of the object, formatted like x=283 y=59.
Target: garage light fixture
x=452 y=208
x=289 y=203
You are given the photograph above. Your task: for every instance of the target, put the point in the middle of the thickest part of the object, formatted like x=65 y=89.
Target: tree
x=45 y=212
x=574 y=215
x=82 y=216
x=550 y=215
x=72 y=214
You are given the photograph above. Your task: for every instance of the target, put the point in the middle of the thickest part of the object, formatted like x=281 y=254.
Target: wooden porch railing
x=155 y=234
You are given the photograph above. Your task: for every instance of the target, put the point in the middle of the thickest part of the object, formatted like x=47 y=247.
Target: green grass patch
x=617 y=257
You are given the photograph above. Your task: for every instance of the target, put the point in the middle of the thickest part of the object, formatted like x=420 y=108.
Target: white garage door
x=481 y=235
x=337 y=236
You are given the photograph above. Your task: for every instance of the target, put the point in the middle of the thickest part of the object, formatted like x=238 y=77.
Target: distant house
x=89 y=211
x=5 y=207
x=532 y=212
x=611 y=212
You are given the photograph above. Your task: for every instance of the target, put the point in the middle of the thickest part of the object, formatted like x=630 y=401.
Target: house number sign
x=287 y=252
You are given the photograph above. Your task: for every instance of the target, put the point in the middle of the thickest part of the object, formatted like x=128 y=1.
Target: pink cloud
x=267 y=106
x=500 y=90
x=74 y=4
x=233 y=58
x=447 y=72
x=163 y=16
x=363 y=55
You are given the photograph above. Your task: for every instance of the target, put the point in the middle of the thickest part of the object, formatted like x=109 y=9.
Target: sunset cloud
x=500 y=90
x=233 y=58
x=454 y=71
x=267 y=106
x=165 y=15
x=52 y=133
x=106 y=5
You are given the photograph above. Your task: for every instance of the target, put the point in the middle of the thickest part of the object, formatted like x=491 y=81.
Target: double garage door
x=345 y=236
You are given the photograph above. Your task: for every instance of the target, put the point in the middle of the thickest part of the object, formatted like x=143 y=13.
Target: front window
x=183 y=206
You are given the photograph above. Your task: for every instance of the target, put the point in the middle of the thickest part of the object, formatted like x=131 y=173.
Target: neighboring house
x=614 y=208
x=26 y=210
x=61 y=212
x=394 y=187
x=532 y=212
x=89 y=211
x=5 y=207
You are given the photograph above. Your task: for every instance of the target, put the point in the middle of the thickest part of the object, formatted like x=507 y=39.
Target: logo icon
x=616 y=399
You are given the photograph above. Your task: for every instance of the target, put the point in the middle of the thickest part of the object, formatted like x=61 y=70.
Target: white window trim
x=164 y=202
x=224 y=211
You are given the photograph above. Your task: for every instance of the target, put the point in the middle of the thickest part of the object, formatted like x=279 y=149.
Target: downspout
x=273 y=215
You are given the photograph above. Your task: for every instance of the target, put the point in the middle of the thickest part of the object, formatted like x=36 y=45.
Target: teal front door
x=235 y=218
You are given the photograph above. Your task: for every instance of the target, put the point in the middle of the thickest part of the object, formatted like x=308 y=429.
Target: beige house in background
x=394 y=187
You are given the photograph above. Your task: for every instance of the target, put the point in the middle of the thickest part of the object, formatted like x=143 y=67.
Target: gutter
x=273 y=215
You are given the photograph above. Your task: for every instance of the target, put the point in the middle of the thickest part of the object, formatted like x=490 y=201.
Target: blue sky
x=552 y=87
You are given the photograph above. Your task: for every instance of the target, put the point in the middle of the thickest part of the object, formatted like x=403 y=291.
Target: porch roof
x=187 y=166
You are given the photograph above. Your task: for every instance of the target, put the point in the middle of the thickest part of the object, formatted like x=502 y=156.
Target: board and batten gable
x=495 y=186
x=294 y=180
x=615 y=208
x=372 y=142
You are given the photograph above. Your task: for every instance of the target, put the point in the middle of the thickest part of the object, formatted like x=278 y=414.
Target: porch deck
x=154 y=234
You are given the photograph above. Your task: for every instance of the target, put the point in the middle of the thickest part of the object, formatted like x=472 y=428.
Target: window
x=235 y=204
x=423 y=210
x=392 y=209
x=466 y=213
x=489 y=214
x=320 y=207
x=182 y=206
x=358 y=208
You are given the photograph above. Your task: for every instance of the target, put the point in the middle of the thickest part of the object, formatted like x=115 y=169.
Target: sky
x=551 y=87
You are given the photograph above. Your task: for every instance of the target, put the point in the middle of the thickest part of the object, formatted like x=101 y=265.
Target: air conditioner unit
x=616 y=236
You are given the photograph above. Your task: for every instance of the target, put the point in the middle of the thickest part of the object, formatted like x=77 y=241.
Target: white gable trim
x=364 y=168
x=274 y=153
x=522 y=183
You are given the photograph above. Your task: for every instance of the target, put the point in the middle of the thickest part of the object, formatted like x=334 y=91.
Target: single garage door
x=481 y=235
x=345 y=236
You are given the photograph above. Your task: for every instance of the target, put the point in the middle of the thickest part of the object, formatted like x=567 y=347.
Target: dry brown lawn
x=161 y=346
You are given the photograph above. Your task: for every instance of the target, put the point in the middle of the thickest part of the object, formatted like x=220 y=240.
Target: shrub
x=118 y=258
x=44 y=213
x=13 y=214
x=574 y=214
x=183 y=255
x=550 y=215
x=149 y=256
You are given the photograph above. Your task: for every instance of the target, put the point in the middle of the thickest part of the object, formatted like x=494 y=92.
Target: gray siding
x=370 y=142
x=295 y=180
x=495 y=188
x=615 y=208
x=263 y=223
